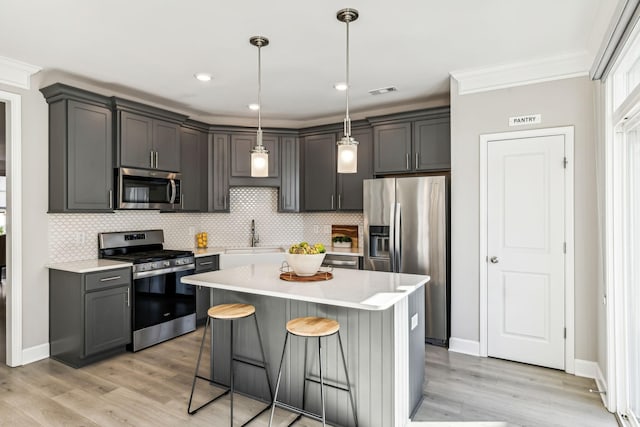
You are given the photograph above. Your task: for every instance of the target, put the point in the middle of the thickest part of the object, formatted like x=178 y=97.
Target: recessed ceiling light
x=203 y=77
x=340 y=86
x=254 y=107
x=383 y=90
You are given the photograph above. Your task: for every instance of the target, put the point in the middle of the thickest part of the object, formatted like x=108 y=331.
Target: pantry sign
x=530 y=119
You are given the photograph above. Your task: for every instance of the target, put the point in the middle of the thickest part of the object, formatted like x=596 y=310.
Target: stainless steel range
x=163 y=307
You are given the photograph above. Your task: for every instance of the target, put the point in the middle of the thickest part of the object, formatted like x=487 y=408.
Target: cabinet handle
x=417 y=154
x=407 y=161
x=110 y=199
x=332 y=201
x=156 y=159
x=151 y=154
x=128 y=300
x=339 y=201
x=108 y=279
x=181 y=201
x=206 y=263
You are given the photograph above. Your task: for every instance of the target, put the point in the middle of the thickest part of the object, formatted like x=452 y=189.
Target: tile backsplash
x=75 y=236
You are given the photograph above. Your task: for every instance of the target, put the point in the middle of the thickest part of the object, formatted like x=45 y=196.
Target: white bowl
x=305 y=264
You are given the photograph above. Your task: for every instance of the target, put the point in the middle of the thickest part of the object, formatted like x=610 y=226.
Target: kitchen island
x=381 y=319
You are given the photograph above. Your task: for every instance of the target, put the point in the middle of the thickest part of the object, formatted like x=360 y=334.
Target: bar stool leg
x=231 y=373
x=321 y=380
x=275 y=397
x=264 y=359
x=195 y=376
x=346 y=373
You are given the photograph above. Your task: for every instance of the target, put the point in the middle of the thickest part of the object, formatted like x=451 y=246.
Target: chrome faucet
x=254 y=237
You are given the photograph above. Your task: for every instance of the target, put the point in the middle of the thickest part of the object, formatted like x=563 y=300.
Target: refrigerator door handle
x=398 y=238
x=392 y=233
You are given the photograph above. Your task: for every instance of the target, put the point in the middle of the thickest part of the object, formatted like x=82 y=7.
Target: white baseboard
x=35 y=353
x=459 y=345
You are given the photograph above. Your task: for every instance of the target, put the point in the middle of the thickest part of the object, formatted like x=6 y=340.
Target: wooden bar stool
x=229 y=312
x=312 y=327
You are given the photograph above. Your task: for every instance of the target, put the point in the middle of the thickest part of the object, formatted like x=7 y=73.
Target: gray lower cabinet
x=203 y=293
x=218 y=180
x=289 y=200
x=89 y=315
x=194 y=167
x=80 y=150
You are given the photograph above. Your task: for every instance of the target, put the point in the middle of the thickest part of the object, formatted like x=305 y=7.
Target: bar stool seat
x=230 y=312
x=312 y=327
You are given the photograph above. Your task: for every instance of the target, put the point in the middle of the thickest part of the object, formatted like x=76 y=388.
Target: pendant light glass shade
x=347 y=146
x=259 y=154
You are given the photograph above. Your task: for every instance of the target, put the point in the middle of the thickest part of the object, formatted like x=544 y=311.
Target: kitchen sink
x=254 y=250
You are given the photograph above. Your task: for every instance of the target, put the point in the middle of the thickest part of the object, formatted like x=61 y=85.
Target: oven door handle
x=143 y=274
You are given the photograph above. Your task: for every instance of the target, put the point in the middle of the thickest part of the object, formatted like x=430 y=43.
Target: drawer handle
x=332 y=262
x=206 y=263
x=108 y=279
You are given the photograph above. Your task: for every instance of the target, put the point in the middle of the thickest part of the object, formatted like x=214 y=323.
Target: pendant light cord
x=259 y=137
x=347 y=120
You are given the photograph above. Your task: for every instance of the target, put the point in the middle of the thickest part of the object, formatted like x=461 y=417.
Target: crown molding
x=16 y=73
x=522 y=73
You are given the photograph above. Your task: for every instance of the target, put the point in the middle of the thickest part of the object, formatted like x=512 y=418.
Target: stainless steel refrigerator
x=406 y=231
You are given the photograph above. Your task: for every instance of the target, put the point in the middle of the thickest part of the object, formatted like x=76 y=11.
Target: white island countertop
x=361 y=289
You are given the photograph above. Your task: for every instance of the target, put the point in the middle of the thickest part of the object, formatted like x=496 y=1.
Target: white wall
x=561 y=103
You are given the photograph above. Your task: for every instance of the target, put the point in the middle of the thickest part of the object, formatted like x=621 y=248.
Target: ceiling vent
x=383 y=90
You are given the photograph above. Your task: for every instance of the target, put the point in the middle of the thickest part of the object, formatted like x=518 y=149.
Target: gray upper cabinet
x=218 y=198
x=412 y=142
x=432 y=144
x=147 y=137
x=80 y=150
x=289 y=200
x=241 y=146
x=320 y=172
x=350 y=184
x=194 y=167
x=392 y=147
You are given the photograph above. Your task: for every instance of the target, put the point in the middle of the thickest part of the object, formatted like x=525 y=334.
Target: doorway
x=526 y=243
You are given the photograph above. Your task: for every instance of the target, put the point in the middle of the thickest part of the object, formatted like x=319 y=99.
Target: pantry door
x=525 y=254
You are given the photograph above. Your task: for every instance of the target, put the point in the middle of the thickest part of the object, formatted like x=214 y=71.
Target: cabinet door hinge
x=565 y=333
x=565 y=162
x=564 y=247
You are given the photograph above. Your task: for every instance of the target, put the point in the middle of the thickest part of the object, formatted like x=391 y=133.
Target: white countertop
x=344 y=251
x=89 y=265
x=361 y=289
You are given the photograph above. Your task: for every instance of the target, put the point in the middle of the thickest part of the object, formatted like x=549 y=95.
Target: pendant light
x=259 y=154
x=347 y=146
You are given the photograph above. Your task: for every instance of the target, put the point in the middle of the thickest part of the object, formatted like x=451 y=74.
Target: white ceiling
x=153 y=48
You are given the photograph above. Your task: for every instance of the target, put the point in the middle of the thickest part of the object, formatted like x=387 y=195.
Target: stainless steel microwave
x=148 y=189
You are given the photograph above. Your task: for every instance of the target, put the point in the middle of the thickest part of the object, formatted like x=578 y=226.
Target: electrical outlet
x=327 y=229
x=80 y=237
x=192 y=231
x=316 y=229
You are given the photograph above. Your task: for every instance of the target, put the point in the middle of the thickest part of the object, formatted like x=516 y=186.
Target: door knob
x=494 y=260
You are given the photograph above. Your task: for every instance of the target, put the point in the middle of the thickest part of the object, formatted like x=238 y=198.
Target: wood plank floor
x=151 y=388
x=467 y=388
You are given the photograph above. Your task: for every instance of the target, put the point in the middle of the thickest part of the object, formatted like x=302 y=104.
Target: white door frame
x=568 y=133
x=14 y=227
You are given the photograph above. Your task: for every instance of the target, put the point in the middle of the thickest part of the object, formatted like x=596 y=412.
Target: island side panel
x=416 y=350
x=368 y=339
